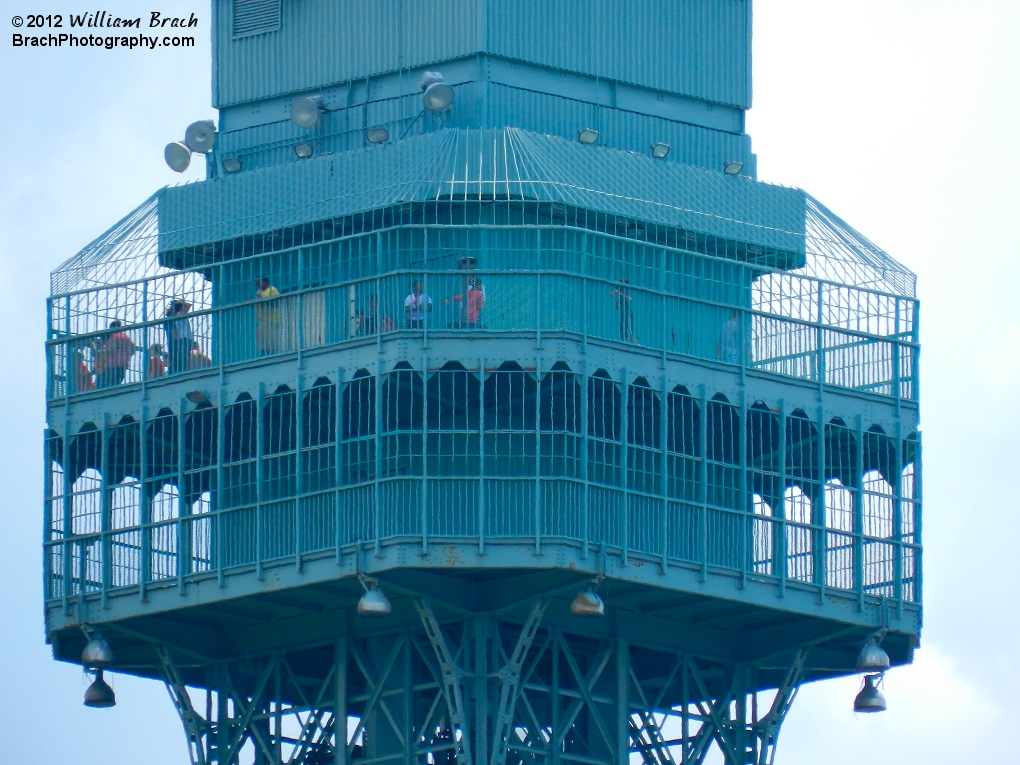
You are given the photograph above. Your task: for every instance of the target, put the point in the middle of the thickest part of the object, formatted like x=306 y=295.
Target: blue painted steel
x=486 y=365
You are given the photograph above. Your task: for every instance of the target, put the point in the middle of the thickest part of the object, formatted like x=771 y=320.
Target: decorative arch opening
x=403 y=407
x=560 y=422
x=510 y=403
x=604 y=404
x=454 y=415
x=357 y=428
x=644 y=437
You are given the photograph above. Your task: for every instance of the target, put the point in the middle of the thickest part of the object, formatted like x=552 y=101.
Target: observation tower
x=481 y=406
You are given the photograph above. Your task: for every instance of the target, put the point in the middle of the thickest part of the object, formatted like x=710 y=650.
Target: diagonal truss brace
x=195 y=727
x=451 y=676
x=510 y=681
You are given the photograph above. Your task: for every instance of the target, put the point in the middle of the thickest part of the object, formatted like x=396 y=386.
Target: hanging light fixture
x=436 y=94
x=587 y=135
x=872 y=657
x=99 y=695
x=200 y=136
x=870 y=699
x=97 y=654
x=374 y=602
x=587 y=602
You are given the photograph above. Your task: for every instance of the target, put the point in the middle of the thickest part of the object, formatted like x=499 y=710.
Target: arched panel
x=510 y=399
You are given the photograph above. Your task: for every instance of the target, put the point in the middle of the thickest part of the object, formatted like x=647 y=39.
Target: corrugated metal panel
x=460 y=163
x=324 y=42
x=700 y=48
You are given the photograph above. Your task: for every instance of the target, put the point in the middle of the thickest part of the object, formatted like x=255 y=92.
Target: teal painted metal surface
x=478 y=368
x=698 y=49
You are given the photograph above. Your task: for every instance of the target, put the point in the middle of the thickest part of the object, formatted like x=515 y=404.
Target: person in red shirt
x=475 y=303
x=114 y=357
x=82 y=374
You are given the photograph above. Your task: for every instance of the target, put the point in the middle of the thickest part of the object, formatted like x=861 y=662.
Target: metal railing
x=790 y=325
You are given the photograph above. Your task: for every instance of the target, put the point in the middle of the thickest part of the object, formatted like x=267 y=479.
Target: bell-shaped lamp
x=374 y=602
x=872 y=657
x=99 y=695
x=177 y=156
x=870 y=699
x=588 y=603
x=97 y=654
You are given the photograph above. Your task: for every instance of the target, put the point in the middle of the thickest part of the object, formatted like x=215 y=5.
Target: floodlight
x=373 y=602
x=660 y=150
x=467 y=263
x=305 y=111
x=97 y=654
x=872 y=657
x=200 y=136
x=377 y=135
x=232 y=165
x=304 y=150
x=99 y=695
x=870 y=699
x=732 y=168
x=437 y=96
x=588 y=135
x=588 y=603
x=177 y=156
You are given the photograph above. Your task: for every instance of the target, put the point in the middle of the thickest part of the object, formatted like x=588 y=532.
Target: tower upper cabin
x=639 y=73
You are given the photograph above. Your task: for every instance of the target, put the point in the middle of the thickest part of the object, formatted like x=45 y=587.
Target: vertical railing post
x=537 y=520
x=744 y=517
x=338 y=464
x=585 y=478
x=145 y=334
x=624 y=462
x=858 y=520
x=664 y=471
x=819 y=531
x=340 y=750
x=104 y=519
x=779 y=512
x=481 y=455
x=379 y=442
x=820 y=338
x=895 y=353
x=299 y=440
x=425 y=456
x=897 y=520
x=538 y=310
x=217 y=543
x=260 y=436
x=183 y=510
x=703 y=482
x=144 y=506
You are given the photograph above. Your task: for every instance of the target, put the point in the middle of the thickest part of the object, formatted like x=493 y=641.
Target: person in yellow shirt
x=267 y=317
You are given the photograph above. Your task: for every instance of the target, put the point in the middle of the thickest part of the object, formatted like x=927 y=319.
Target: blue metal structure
x=480 y=365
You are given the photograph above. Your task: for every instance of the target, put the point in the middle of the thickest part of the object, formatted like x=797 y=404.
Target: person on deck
x=731 y=345
x=415 y=307
x=82 y=374
x=114 y=357
x=623 y=301
x=471 y=309
x=267 y=317
x=157 y=361
x=198 y=359
x=179 y=336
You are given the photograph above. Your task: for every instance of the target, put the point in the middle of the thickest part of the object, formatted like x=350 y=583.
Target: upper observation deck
x=485 y=350
x=665 y=259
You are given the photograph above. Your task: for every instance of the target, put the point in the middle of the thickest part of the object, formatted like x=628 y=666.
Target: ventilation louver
x=253 y=17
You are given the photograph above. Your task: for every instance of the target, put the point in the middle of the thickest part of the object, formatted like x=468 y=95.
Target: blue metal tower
x=481 y=406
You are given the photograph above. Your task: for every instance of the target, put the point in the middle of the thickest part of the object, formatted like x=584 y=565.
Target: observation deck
x=716 y=414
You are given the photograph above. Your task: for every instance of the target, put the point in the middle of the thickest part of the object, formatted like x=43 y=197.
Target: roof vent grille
x=254 y=17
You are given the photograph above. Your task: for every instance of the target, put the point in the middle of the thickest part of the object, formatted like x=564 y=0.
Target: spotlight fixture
x=732 y=168
x=374 y=602
x=870 y=699
x=177 y=156
x=306 y=110
x=587 y=135
x=200 y=136
x=304 y=150
x=467 y=263
x=872 y=657
x=99 y=695
x=437 y=97
x=587 y=602
x=196 y=397
x=377 y=135
x=97 y=654
x=232 y=165
x=660 y=150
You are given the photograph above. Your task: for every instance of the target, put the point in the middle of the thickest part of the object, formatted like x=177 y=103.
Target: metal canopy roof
x=464 y=165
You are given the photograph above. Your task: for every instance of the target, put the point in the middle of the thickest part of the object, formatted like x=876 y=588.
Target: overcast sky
x=900 y=115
